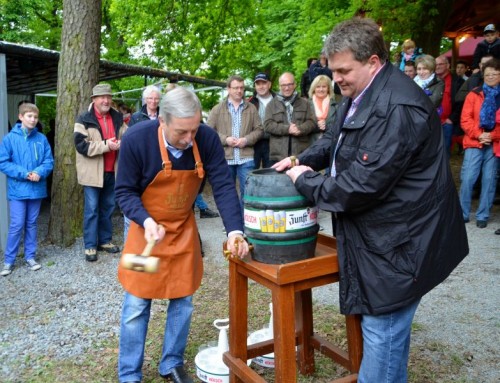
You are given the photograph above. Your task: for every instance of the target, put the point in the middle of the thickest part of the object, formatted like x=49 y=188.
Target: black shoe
x=207 y=213
x=178 y=375
x=108 y=248
x=90 y=255
x=497 y=231
x=481 y=224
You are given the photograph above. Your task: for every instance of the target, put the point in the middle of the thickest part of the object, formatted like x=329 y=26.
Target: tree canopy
x=217 y=38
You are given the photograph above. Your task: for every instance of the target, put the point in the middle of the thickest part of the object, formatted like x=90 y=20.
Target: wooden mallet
x=142 y=262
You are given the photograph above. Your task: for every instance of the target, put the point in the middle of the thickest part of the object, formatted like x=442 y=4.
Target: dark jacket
x=483 y=49
x=475 y=80
x=435 y=90
x=255 y=101
x=400 y=230
x=456 y=107
x=141 y=115
x=281 y=143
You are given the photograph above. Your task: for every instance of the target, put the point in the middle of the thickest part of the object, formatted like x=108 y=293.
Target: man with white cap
x=96 y=145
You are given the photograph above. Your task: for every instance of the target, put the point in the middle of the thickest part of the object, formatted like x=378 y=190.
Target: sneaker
x=497 y=231
x=7 y=269
x=108 y=248
x=90 y=255
x=33 y=265
x=481 y=224
x=207 y=213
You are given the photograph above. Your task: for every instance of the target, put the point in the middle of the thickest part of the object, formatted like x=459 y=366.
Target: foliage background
x=217 y=38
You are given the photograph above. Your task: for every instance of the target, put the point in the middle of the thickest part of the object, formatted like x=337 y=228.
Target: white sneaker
x=33 y=265
x=7 y=269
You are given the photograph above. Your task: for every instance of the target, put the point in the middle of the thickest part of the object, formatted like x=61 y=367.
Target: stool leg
x=354 y=341
x=304 y=328
x=238 y=314
x=284 y=334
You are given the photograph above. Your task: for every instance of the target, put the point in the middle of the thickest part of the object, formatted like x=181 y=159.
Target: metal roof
x=32 y=70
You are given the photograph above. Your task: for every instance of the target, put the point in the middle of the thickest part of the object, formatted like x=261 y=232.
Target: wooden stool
x=290 y=286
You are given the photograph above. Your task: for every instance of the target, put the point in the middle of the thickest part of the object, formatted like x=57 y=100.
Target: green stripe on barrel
x=279 y=222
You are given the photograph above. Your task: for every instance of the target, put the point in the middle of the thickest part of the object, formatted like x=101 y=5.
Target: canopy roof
x=32 y=70
x=466 y=48
x=468 y=18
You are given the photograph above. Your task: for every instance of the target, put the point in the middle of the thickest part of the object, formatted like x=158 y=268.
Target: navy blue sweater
x=140 y=161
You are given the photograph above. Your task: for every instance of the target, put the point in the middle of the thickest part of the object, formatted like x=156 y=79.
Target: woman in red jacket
x=481 y=124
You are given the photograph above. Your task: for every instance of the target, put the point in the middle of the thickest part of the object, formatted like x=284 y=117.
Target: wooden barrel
x=280 y=223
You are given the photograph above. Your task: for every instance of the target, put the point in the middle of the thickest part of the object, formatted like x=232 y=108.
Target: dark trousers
x=261 y=154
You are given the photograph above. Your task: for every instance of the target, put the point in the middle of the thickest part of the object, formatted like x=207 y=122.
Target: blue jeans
x=97 y=212
x=386 y=345
x=23 y=216
x=447 y=134
x=200 y=203
x=241 y=171
x=126 y=226
x=475 y=161
x=133 y=330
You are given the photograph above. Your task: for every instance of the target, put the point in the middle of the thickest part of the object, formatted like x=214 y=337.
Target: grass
x=433 y=362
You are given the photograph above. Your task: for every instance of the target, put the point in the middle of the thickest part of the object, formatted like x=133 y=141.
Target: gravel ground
x=70 y=306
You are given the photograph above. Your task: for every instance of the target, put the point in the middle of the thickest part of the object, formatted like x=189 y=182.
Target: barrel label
x=283 y=221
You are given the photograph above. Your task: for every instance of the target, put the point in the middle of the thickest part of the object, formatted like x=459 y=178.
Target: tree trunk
x=78 y=72
x=430 y=40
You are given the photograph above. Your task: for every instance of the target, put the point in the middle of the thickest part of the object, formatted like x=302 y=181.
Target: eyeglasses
x=491 y=75
x=152 y=99
x=287 y=85
x=237 y=87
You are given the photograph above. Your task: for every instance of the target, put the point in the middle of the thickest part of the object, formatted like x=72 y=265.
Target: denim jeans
x=126 y=226
x=200 y=203
x=133 y=330
x=241 y=171
x=447 y=133
x=475 y=161
x=386 y=346
x=23 y=216
x=97 y=212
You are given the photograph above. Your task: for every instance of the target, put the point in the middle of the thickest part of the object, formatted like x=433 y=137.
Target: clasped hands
x=113 y=144
x=236 y=142
x=485 y=138
x=33 y=177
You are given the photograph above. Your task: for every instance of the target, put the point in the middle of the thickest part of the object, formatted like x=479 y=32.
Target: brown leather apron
x=169 y=200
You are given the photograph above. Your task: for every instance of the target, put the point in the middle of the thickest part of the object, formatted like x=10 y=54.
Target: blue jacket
x=21 y=154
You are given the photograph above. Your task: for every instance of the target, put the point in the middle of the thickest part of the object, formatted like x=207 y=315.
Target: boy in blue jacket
x=26 y=160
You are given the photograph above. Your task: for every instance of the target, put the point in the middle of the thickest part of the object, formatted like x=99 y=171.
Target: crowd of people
x=372 y=140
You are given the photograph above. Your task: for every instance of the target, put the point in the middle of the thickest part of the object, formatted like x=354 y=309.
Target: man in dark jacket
x=261 y=97
x=289 y=121
x=151 y=96
x=489 y=46
x=399 y=226
x=451 y=110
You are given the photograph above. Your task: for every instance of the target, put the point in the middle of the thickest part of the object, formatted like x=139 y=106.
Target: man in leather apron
x=162 y=166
